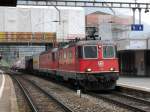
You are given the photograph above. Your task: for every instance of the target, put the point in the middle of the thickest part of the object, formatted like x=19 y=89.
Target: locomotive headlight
x=112 y=69
x=88 y=70
x=99 y=46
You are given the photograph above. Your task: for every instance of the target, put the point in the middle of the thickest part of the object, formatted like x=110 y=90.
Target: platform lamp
x=55 y=21
x=146 y=9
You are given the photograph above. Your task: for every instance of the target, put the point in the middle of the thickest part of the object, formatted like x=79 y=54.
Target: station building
x=133 y=51
x=28 y=30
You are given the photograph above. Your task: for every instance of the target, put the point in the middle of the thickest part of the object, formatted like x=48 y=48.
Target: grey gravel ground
x=68 y=97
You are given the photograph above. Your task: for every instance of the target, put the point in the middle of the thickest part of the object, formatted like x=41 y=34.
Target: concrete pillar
x=140 y=63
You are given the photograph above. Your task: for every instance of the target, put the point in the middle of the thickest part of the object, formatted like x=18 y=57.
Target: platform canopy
x=11 y=3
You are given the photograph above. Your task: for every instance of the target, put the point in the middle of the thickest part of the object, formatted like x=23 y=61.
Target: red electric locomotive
x=92 y=64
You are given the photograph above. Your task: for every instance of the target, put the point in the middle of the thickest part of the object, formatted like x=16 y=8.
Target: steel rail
x=66 y=109
x=26 y=94
x=86 y=3
x=121 y=104
x=132 y=97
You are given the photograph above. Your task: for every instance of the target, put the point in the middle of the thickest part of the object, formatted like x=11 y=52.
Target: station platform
x=8 y=101
x=140 y=83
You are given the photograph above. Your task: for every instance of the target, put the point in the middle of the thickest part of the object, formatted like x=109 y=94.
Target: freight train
x=92 y=65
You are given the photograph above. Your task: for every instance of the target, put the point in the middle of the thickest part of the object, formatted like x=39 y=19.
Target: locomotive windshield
x=108 y=52
x=90 y=51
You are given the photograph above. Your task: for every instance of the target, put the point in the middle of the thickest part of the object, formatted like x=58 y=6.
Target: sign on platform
x=137 y=27
x=79 y=93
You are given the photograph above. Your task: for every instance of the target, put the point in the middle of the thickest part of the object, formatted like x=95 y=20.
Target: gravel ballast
x=85 y=103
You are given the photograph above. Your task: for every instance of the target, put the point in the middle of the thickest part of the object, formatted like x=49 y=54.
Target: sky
x=121 y=12
x=145 y=17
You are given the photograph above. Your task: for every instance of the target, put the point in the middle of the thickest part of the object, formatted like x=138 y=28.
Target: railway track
x=127 y=100
x=39 y=100
x=124 y=100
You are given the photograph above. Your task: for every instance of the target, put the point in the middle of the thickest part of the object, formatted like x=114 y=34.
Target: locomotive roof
x=88 y=42
x=79 y=43
x=93 y=42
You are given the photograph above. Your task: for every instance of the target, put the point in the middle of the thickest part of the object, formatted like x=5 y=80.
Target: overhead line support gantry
x=84 y=4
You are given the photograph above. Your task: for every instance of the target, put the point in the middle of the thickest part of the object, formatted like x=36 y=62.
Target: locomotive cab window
x=108 y=52
x=90 y=51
